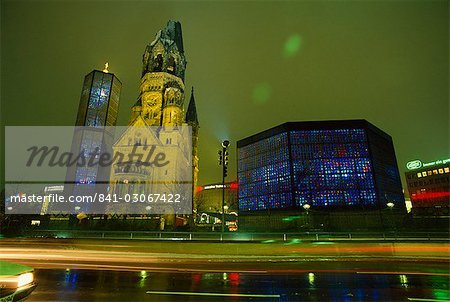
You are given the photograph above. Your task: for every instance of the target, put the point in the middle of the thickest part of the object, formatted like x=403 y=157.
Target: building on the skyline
x=97 y=114
x=324 y=174
x=209 y=197
x=160 y=106
x=99 y=102
x=429 y=187
x=191 y=119
x=208 y=205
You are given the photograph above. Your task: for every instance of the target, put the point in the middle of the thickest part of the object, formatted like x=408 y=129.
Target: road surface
x=124 y=270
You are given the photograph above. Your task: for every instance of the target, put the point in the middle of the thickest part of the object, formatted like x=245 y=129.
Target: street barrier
x=242 y=237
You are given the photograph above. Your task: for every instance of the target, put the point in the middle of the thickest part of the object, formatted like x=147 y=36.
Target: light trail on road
x=361 y=258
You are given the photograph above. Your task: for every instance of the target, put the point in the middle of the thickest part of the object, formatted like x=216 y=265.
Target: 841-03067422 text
x=101 y=198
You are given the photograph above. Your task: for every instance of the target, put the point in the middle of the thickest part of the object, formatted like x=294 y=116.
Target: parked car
x=16 y=281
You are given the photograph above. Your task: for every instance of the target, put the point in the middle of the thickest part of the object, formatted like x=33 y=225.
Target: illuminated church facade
x=160 y=106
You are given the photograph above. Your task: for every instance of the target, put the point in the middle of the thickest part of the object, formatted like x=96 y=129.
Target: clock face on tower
x=152 y=101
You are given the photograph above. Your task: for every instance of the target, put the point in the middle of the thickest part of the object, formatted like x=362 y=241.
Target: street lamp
x=223 y=161
x=307 y=207
x=390 y=206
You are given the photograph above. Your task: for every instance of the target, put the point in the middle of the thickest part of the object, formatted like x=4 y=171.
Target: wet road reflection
x=98 y=285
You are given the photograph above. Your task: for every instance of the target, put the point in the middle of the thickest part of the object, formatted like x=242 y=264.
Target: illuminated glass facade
x=327 y=165
x=265 y=173
x=99 y=101
x=332 y=168
x=98 y=108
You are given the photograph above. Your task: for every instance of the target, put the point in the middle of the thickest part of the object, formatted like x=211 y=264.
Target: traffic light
x=225 y=158
x=220 y=158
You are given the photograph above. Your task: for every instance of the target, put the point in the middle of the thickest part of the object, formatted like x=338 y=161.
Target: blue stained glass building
x=328 y=165
x=99 y=102
x=97 y=113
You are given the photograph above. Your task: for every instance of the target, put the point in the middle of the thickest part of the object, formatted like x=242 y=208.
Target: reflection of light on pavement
x=441 y=295
x=208 y=276
x=429 y=300
x=196 y=278
x=234 y=278
x=70 y=278
x=403 y=280
x=409 y=273
x=311 y=279
x=67 y=277
x=211 y=294
x=74 y=279
x=144 y=276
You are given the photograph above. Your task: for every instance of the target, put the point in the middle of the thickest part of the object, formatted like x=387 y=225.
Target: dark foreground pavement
x=89 y=285
x=125 y=270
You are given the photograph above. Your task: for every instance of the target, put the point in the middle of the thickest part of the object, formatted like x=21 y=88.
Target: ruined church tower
x=161 y=97
x=160 y=104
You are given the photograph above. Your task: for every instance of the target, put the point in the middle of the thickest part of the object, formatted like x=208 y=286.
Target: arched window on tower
x=171 y=68
x=158 y=62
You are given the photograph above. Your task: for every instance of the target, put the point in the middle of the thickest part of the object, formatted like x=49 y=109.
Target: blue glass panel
x=330 y=168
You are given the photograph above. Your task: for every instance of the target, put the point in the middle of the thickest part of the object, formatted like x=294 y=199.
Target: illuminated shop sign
x=213 y=187
x=417 y=164
x=232 y=186
x=54 y=189
x=414 y=164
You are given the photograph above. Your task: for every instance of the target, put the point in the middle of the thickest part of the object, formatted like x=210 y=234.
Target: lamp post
x=390 y=206
x=223 y=161
x=307 y=207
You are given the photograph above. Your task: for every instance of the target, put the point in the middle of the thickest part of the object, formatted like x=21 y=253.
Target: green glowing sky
x=254 y=65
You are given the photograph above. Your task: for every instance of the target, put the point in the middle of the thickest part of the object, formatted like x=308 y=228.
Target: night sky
x=254 y=65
